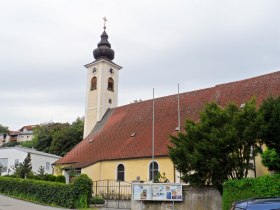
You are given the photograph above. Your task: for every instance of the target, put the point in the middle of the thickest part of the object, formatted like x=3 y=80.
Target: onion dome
x=103 y=49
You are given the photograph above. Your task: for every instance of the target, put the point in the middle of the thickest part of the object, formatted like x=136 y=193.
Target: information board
x=157 y=192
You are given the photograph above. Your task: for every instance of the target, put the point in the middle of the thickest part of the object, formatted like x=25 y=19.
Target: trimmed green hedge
x=49 y=177
x=76 y=195
x=45 y=177
x=264 y=186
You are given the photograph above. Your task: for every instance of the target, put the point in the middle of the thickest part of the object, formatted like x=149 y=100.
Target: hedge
x=264 y=186
x=97 y=200
x=45 y=177
x=76 y=195
x=49 y=177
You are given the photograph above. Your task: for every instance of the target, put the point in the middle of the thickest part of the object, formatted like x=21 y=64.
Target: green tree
x=269 y=117
x=43 y=136
x=41 y=172
x=218 y=147
x=58 y=138
x=11 y=144
x=4 y=129
x=2 y=169
x=17 y=169
x=26 y=167
x=65 y=139
x=271 y=159
x=27 y=144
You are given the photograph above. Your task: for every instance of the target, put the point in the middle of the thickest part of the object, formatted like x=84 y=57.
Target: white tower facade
x=102 y=84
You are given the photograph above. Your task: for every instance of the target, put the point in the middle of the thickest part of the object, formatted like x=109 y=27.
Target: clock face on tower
x=94 y=70
x=111 y=71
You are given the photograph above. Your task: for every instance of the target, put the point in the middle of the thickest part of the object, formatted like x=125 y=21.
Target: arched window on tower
x=120 y=172
x=153 y=170
x=110 y=84
x=93 y=84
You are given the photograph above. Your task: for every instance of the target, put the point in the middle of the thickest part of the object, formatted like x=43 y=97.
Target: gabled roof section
x=28 y=127
x=32 y=151
x=126 y=132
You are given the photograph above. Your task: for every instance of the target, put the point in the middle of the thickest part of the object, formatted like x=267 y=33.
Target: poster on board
x=158 y=192
x=141 y=192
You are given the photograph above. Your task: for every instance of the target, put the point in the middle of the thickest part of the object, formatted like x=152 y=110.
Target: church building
x=117 y=142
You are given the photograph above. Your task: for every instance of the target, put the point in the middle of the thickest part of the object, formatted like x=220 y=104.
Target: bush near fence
x=76 y=195
x=264 y=186
x=50 y=178
x=45 y=177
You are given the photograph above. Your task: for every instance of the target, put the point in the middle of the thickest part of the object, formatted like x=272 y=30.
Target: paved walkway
x=7 y=203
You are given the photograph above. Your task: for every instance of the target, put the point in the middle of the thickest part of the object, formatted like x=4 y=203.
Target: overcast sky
x=44 y=45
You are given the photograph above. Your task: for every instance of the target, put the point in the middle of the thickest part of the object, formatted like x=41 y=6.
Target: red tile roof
x=113 y=139
x=28 y=127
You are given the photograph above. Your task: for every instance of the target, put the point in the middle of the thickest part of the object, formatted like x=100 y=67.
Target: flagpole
x=153 y=139
x=179 y=118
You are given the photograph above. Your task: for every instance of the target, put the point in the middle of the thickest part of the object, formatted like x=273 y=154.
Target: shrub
x=76 y=195
x=82 y=188
x=50 y=178
x=271 y=159
x=97 y=200
x=45 y=177
x=60 y=179
x=264 y=186
x=50 y=193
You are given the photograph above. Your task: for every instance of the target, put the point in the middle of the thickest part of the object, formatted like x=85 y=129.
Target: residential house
x=26 y=133
x=9 y=156
x=11 y=136
x=23 y=134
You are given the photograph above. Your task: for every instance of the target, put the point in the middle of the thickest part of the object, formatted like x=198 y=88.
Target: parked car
x=257 y=204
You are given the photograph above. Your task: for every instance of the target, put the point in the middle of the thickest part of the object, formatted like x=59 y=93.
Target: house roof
x=31 y=151
x=28 y=127
x=14 y=133
x=126 y=131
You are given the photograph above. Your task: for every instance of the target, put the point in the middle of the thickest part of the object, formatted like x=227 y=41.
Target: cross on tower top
x=105 y=19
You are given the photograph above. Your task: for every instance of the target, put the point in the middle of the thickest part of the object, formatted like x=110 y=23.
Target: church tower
x=102 y=83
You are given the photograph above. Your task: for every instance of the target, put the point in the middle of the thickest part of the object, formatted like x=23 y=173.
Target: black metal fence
x=112 y=189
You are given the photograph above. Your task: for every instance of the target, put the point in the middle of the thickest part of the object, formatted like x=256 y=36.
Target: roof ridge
x=248 y=79
x=202 y=89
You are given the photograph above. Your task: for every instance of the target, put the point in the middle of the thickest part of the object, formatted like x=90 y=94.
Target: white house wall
x=37 y=160
x=12 y=155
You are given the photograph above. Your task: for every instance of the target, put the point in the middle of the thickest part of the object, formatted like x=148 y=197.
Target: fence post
x=96 y=189
x=107 y=188
x=119 y=194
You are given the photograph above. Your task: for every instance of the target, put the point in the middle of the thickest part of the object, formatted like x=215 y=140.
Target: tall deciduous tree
x=58 y=138
x=65 y=139
x=218 y=147
x=269 y=116
x=271 y=159
x=4 y=129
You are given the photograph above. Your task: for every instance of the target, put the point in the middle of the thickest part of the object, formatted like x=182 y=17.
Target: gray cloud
x=44 y=45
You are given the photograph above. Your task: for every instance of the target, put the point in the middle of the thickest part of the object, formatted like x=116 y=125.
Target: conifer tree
x=26 y=167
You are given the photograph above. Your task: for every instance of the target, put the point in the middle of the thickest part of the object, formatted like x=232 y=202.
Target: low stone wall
x=203 y=198
x=114 y=205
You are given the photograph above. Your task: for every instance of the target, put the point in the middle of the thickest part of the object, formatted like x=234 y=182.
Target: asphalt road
x=7 y=203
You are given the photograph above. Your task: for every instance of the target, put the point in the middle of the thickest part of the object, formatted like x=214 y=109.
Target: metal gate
x=117 y=194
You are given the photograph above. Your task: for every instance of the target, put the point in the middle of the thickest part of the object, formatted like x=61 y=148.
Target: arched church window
x=110 y=84
x=153 y=170
x=120 y=172
x=93 y=85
